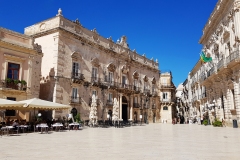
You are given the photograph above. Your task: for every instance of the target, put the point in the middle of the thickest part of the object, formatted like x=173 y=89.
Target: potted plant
x=24 y=83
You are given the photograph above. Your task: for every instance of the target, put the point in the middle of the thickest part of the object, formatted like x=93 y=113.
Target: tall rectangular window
x=13 y=71
x=123 y=80
x=75 y=69
x=135 y=82
x=74 y=93
x=94 y=73
x=94 y=92
x=165 y=96
x=135 y=99
x=110 y=77
x=110 y=97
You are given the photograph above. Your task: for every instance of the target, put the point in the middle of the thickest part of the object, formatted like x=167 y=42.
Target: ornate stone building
x=78 y=63
x=215 y=86
x=20 y=69
x=167 y=97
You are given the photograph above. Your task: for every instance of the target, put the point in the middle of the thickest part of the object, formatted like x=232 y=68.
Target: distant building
x=20 y=70
x=167 y=97
x=78 y=63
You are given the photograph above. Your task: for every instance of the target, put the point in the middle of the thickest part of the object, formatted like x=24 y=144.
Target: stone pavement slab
x=150 y=142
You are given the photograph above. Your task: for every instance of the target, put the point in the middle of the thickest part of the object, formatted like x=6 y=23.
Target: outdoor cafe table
x=58 y=126
x=23 y=127
x=43 y=126
x=6 y=129
x=75 y=125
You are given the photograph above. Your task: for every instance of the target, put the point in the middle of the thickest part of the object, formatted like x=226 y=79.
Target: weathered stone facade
x=78 y=62
x=214 y=86
x=167 y=97
x=20 y=69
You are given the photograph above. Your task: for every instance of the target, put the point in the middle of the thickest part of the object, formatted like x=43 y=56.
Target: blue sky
x=167 y=30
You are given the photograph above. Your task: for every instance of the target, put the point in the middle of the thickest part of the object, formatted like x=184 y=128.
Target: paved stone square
x=150 y=142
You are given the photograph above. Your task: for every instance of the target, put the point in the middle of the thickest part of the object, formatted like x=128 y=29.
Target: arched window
x=165 y=108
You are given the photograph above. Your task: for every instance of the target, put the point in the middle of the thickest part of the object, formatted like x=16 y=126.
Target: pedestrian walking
x=223 y=123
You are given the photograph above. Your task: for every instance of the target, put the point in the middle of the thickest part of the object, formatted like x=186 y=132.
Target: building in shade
x=20 y=70
x=78 y=63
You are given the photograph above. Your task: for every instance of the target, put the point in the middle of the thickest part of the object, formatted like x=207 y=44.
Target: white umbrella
x=44 y=105
x=9 y=104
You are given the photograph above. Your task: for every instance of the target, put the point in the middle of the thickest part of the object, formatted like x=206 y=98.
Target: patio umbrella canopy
x=44 y=105
x=8 y=104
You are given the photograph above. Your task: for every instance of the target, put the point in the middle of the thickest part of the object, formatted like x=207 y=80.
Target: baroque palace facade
x=213 y=89
x=20 y=70
x=78 y=63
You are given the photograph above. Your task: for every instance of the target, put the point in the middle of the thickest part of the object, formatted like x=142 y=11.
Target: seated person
x=15 y=124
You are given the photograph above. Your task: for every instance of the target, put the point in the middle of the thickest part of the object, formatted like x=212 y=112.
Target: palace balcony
x=10 y=84
x=97 y=101
x=77 y=78
x=75 y=100
x=166 y=86
x=136 y=105
x=109 y=103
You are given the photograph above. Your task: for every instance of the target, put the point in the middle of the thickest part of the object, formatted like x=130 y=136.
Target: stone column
x=54 y=95
x=131 y=108
x=120 y=106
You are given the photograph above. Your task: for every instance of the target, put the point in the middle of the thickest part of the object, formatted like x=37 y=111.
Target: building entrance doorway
x=124 y=108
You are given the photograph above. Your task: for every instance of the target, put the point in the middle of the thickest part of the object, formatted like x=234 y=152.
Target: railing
x=109 y=102
x=165 y=100
x=77 y=76
x=95 y=79
x=136 y=105
x=232 y=56
x=220 y=64
x=13 y=84
x=136 y=89
x=211 y=71
x=166 y=86
x=203 y=76
x=75 y=100
x=97 y=101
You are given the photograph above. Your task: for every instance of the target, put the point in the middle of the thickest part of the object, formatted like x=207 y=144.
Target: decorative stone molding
x=111 y=67
x=135 y=75
x=76 y=56
x=14 y=58
x=153 y=80
x=95 y=62
x=37 y=47
x=145 y=78
x=125 y=69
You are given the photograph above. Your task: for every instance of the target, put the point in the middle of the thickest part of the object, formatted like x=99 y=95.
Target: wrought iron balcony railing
x=77 y=76
x=136 y=105
x=234 y=55
x=76 y=100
